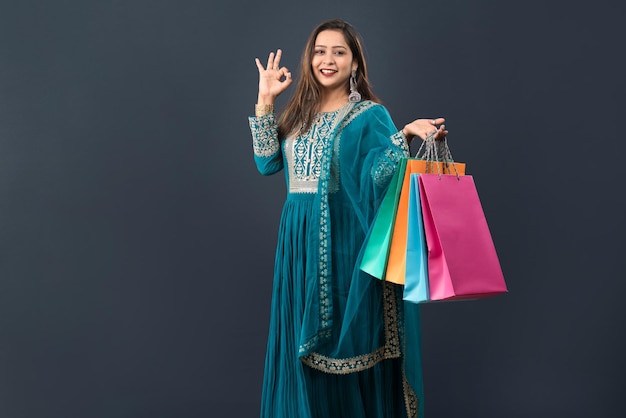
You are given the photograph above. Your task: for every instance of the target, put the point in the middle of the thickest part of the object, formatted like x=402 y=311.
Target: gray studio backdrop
x=137 y=238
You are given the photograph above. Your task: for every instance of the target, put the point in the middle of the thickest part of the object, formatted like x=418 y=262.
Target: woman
x=341 y=343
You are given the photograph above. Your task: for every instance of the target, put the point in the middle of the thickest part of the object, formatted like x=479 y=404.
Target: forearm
x=265 y=143
x=386 y=163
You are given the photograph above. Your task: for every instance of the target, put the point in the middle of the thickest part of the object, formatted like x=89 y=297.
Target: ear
x=354 y=66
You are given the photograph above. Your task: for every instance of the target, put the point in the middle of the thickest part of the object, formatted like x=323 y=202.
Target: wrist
x=409 y=137
x=265 y=100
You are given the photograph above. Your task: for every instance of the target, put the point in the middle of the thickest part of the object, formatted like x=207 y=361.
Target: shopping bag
x=396 y=261
x=462 y=259
x=416 y=276
x=376 y=251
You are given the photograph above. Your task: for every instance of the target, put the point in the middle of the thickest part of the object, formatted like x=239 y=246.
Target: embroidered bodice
x=304 y=153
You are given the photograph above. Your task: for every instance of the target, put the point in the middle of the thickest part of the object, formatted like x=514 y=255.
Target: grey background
x=137 y=238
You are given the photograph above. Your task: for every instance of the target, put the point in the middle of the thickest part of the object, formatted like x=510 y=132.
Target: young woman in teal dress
x=341 y=344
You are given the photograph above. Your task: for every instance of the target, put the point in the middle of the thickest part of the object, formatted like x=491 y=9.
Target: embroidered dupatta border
x=390 y=350
x=393 y=324
x=348 y=114
x=324 y=257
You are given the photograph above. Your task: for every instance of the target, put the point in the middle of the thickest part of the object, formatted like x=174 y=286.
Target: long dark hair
x=304 y=104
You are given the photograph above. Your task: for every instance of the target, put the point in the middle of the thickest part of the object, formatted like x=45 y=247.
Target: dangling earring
x=354 y=96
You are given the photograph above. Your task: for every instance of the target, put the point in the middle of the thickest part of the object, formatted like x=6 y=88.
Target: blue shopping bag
x=416 y=277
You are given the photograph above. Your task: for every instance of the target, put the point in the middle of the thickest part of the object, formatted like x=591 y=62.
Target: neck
x=333 y=100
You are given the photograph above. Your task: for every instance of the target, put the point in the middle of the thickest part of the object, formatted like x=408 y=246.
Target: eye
x=340 y=52
x=319 y=52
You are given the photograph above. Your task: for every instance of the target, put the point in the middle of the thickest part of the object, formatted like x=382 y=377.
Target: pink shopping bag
x=462 y=259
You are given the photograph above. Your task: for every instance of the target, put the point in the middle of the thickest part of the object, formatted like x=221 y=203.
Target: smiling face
x=332 y=61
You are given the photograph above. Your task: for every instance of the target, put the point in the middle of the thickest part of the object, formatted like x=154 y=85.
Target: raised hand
x=273 y=79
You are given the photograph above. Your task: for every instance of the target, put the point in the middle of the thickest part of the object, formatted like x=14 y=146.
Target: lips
x=328 y=71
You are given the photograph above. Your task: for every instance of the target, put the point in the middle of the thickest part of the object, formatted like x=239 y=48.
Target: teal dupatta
x=358 y=163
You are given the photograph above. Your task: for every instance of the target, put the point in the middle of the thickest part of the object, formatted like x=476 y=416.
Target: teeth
x=328 y=71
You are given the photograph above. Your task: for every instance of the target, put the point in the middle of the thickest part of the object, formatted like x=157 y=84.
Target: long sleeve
x=386 y=163
x=266 y=144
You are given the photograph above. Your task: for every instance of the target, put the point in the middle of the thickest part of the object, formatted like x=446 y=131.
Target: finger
x=283 y=72
x=270 y=61
x=437 y=121
x=279 y=54
x=259 y=65
x=441 y=132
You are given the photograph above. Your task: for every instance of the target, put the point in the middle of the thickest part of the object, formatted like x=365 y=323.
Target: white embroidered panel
x=304 y=154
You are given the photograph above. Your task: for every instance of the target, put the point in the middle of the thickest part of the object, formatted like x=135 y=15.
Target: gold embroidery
x=264 y=135
x=388 y=161
x=399 y=140
x=358 y=110
x=411 y=400
x=390 y=350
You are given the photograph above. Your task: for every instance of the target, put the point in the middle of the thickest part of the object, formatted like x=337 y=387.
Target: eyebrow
x=336 y=46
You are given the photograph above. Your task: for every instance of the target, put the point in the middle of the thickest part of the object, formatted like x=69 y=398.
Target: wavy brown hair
x=304 y=104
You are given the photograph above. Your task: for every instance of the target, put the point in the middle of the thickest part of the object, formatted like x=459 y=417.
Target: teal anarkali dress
x=341 y=344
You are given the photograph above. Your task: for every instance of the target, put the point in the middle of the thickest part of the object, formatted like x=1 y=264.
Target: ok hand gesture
x=273 y=79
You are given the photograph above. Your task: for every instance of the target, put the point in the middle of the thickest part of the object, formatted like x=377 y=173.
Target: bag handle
x=436 y=150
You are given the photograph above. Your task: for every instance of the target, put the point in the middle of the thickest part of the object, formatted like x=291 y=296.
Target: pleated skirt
x=292 y=389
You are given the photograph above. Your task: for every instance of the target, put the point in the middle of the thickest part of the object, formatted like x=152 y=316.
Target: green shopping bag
x=376 y=250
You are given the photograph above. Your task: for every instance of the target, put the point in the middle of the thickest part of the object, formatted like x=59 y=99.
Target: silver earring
x=354 y=96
